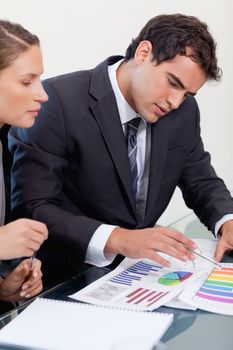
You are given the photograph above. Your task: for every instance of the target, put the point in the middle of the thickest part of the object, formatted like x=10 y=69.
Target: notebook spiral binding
x=163 y=314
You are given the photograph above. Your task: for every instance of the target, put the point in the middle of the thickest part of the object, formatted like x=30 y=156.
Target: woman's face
x=21 y=92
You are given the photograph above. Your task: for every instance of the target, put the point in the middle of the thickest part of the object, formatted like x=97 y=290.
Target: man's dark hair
x=171 y=35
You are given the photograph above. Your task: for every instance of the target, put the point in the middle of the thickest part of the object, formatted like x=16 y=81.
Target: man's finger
x=152 y=255
x=179 y=237
x=220 y=250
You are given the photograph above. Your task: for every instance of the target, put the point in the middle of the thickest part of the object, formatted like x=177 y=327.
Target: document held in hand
x=58 y=325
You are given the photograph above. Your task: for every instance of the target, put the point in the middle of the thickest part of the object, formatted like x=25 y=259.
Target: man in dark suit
x=99 y=197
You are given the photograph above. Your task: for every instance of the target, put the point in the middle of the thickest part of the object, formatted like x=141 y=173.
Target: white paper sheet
x=137 y=284
x=213 y=291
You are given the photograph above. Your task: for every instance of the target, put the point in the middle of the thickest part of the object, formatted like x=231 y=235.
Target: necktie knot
x=132 y=126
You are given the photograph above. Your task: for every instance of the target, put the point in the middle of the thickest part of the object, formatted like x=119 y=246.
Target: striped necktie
x=132 y=128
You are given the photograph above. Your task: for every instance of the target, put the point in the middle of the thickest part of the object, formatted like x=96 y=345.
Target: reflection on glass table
x=190 y=329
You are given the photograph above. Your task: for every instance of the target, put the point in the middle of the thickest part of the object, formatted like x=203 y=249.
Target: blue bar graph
x=135 y=273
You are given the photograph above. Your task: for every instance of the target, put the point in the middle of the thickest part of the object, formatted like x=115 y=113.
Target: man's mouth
x=160 y=110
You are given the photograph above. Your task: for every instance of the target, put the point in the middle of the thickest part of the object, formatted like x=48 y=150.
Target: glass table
x=190 y=329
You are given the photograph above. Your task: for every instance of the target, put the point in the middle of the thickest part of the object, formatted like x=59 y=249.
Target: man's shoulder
x=189 y=102
x=188 y=108
x=82 y=76
x=68 y=78
x=94 y=82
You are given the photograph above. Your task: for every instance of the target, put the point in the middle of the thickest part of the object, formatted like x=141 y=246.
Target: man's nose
x=175 y=99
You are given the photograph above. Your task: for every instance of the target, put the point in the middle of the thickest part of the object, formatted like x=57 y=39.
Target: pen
x=32 y=259
x=203 y=256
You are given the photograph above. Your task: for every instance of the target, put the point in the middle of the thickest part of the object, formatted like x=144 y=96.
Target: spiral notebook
x=60 y=325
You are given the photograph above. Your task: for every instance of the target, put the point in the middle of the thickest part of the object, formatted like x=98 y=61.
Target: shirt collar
x=126 y=112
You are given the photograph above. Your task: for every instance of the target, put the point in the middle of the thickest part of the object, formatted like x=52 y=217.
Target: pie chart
x=175 y=277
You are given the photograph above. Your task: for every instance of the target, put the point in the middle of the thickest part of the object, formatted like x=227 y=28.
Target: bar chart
x=135 y=273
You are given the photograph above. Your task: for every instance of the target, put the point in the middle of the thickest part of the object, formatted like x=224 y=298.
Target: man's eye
x=26 y=83
x=172 y=83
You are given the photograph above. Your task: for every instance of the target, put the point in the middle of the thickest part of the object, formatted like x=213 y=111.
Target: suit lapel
x=106 y=114
x=159 y=144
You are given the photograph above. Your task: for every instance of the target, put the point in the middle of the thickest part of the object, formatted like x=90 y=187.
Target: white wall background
x=77 y=34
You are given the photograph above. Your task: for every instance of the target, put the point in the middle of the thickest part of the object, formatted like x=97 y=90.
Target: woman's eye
x=26 y=83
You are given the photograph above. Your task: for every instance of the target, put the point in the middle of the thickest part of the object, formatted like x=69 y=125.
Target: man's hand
x=225 y=242
x=21 y=238
x=145 y=243
x=22 y=282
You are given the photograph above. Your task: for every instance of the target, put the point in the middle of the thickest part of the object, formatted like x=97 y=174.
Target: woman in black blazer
x=21 y=95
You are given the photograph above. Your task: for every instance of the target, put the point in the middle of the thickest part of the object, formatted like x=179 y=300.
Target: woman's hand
x=22 y=282
x=21 y=238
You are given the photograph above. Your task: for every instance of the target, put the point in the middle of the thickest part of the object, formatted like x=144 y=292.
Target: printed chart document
x=206 y=247
x=213 y=291
x=145 y=285
x=138 y=285
x=57 y=325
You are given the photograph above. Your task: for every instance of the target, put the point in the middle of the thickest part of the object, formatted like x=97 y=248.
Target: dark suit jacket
x=71 y=169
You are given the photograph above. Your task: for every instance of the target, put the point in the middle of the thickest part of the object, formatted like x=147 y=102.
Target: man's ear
x=143 y=51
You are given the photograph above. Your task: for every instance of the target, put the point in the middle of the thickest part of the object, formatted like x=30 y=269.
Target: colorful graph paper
x=213 y=292
x=218 y=286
